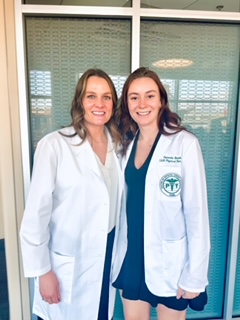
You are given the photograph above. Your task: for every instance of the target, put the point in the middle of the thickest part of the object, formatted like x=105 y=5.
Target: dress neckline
x=147 y=160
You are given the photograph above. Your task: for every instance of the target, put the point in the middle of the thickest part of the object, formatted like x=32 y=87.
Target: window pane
x=236 y=307
x=227 y=6
x=199 y=65
x=59 y=51
x=99 y=3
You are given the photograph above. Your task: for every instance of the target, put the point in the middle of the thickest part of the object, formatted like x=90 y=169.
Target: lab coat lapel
x=85 y=153
x=117 y=161
x=160 y=150
x=119 y=171
x=126 y=157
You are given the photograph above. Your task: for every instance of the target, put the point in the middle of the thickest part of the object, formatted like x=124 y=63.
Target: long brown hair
x=166 y=118
x=77 y=110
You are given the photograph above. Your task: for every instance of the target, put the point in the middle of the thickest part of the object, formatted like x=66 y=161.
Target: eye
x=90 y=96
x=133 y=98
x=150 y=96
x=107 y=98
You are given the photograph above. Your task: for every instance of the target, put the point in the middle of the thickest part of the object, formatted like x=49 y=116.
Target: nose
x=99 y=102
x=142 y=102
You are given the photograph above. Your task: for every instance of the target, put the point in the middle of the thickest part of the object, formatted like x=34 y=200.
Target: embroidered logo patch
x=170 y=184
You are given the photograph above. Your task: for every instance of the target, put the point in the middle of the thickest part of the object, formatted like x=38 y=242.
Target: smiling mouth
x=143 y=113
x=98 y=113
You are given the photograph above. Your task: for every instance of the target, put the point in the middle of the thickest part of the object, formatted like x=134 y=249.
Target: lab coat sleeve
x=34 y=231
x=194 y=277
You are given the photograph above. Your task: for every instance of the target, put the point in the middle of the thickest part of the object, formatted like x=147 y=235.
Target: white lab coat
x=176 y=222
x=65 y=226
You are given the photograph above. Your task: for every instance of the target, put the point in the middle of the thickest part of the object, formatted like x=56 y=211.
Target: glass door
x=199 y=65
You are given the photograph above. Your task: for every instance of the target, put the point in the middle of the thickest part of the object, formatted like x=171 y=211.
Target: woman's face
x=97 y=102
x=144 y=102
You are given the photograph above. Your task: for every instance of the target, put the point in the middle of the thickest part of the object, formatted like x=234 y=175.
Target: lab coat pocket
x=63 y=267
x=174 y=259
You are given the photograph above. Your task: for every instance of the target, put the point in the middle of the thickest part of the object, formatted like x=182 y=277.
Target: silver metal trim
x=135 y=40
x=22 y=91
x=134 y=11
x=77 y=10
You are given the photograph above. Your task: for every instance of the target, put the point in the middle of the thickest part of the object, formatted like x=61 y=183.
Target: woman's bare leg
x=165 y=313
x=136 y=309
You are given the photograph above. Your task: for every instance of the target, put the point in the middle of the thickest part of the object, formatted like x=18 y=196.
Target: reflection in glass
x=59 y=50
x=224 y=6
x=205 y=95
x=92 y=3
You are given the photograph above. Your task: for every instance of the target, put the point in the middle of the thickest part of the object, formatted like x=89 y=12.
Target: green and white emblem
x=170 y=184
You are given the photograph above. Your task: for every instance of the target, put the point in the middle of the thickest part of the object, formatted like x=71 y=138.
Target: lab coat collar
x=84 y=150
x=160 y=149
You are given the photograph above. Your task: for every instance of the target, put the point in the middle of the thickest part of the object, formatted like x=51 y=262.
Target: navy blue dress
x=131 y=279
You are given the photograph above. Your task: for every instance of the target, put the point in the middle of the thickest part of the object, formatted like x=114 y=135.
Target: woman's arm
x=34 y=231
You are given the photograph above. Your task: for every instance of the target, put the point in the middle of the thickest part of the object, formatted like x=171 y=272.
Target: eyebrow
x=94 y=92
x=144 y=92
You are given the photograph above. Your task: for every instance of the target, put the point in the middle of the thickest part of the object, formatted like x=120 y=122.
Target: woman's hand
x=49 y=288
x=186 y=294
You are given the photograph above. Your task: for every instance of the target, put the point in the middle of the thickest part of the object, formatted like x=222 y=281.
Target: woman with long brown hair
x=68 y=227
x=163 y=240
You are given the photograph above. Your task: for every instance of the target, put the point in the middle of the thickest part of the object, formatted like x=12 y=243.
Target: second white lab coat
x=176 y=222
x=65 y=226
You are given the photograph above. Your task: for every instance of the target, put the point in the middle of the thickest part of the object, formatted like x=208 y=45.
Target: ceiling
x=204 y=5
